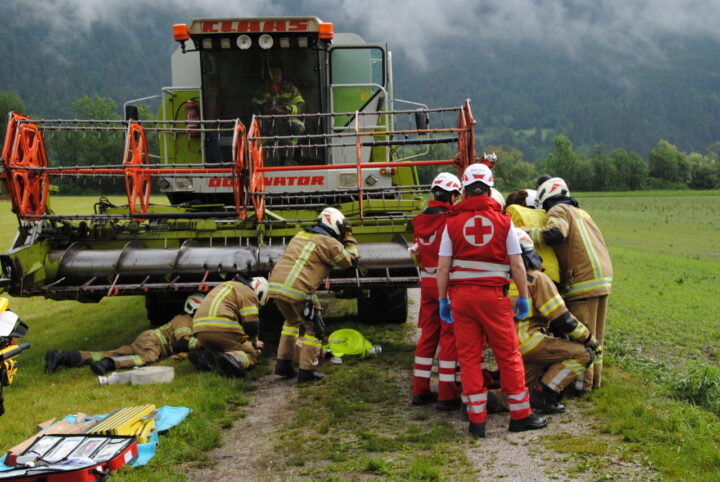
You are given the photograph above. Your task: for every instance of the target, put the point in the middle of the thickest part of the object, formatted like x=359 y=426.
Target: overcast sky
x=633 y=27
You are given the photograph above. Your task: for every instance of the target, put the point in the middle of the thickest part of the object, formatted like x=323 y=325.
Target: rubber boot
x=54 y=359
x=531 y=422
x=285 y=369
x=202 y=359
x=103 y=366
x=229 y=366
x=305 y=376
x=476 y=430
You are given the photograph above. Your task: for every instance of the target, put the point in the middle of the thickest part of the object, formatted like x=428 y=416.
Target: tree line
x=665 y=166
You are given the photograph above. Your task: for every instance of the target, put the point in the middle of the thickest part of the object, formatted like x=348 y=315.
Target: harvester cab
x=267 y=122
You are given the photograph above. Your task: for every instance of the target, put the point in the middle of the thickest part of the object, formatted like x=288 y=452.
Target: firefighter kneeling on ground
x=565 y=360
x=479 y=252
x=306 y=262
x=149 y=346
x=227 y=323
x=428 y=227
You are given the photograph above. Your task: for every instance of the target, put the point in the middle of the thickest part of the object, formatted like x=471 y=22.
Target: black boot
x=531 y=422
x=103 y=366
x=54 y=359
x=305 y=376
x=424 y=399
x=229 y=366
x=285 y=369
x=202 y=359
x=547 y=401
x=476 y=430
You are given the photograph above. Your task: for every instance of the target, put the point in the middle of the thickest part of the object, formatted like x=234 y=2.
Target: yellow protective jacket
x=546 y=306
x=585 y=267
x=226 y=307
x=173 y=331
x=307 y=260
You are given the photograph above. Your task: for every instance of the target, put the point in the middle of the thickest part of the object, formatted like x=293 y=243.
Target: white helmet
x=526 y=242
x=497 y=196
x=478 y=173
x=554 y=186
x=192 y=303
x=333 y=219
x=531 y=199
x=447 y=182
x=260 y=286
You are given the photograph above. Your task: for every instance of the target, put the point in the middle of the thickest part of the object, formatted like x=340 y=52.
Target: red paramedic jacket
x=428 y=228
x=478 y=229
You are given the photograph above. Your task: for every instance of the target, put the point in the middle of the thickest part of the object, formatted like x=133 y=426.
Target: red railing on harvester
x=27 y=172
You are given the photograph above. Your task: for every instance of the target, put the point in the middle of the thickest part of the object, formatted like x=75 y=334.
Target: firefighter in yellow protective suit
x=585 y=267
x=307 y=260
x=555 y=362
x=149 y=346
x=227 y=324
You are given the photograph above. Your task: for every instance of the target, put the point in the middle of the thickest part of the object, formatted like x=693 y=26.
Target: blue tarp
x=167 y=418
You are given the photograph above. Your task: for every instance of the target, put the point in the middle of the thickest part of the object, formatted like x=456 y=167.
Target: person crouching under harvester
x=565 y=360
x=306 y=262
x=150 y=346
x=428 y=227
x=227 y=323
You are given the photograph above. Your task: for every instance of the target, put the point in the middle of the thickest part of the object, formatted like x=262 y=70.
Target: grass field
x=660 y=397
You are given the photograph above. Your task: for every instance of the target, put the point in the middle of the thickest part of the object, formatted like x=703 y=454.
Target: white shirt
x=512 y=245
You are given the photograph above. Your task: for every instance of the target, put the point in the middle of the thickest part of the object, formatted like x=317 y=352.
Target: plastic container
x=115 y=378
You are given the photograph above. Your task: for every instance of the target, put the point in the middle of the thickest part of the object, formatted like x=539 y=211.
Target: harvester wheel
x=383 y=306
x=162 y=307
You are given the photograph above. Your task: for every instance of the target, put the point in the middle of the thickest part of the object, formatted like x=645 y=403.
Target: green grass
x=661 y=382
x=659 y=403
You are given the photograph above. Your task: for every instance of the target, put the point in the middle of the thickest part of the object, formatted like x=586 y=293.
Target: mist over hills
x=615 y=73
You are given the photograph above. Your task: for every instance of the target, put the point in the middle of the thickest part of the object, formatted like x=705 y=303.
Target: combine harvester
x=239 y=183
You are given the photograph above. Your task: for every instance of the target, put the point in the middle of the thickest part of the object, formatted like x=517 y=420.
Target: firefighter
x=565 y=360
x=428 y=227
x=307 y=260
x=585 y=267
x=479 y=252
x=149 y=346
x=227 y=323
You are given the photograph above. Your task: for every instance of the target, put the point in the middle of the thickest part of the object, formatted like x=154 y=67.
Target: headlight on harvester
x=183 y=184
x=265 y=41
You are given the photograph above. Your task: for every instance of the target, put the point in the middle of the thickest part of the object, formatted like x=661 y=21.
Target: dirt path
x=250 y=455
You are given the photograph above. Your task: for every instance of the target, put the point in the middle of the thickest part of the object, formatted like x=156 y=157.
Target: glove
x=412 y=249
x=445 y=313
x=319 y=326
x=522 y=308
x=182 y=345
x=595 y=346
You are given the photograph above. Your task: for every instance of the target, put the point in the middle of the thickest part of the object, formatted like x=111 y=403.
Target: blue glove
x=522 y=308
x=445 y=313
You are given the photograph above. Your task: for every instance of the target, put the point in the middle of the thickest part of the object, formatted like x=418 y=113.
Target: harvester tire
x=162 y=307
x=383 y=306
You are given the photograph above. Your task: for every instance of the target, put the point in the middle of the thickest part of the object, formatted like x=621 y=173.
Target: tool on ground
x=137 y=421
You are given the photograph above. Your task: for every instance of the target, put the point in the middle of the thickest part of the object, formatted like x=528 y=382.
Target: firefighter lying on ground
x=478 y=255
x=227 y=324
x=585 y=267
x=306 y=262
x=565 y=360
x=150 y=346
x=427 y=228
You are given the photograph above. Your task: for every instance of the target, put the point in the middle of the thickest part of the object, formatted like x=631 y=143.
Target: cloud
x=418 y=27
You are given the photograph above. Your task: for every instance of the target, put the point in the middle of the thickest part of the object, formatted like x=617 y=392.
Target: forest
x=604 y=120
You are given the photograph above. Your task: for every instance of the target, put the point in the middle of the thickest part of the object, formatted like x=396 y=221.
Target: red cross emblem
x=478 y=230
x=428 y=241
